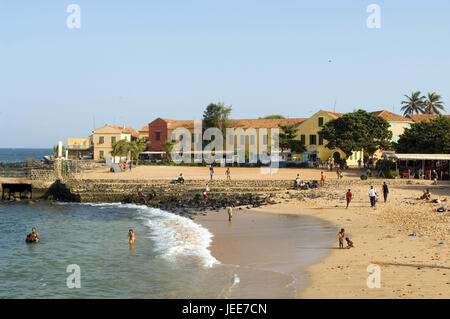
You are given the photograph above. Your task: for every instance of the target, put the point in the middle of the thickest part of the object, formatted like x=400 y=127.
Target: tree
x=287 y=139
x=355 y=131
x=55 y=150
x=433 y=104
x=136 y=147
x=414 y=104
x=120 y=148
x=168 y=146
x=275 y=116
x=216 y=115
x=432 y=137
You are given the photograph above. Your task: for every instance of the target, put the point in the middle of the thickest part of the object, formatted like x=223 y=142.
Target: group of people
x=373 y=196
x=341 y=236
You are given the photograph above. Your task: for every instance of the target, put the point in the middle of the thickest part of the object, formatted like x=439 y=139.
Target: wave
x=174 y=236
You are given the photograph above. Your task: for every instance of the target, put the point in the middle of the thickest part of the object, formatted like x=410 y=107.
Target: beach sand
x=410 y=267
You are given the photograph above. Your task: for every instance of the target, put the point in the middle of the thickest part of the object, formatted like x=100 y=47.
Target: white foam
x=174 y=236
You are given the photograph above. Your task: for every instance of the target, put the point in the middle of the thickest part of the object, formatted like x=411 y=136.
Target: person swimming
x=33 y=237
x=131 y=236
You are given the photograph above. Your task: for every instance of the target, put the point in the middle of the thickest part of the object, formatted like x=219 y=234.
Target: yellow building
x=79 y=147
x=308 y=132
x=104 y=137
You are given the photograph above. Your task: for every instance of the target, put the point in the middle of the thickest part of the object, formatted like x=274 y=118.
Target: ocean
x=13 y=155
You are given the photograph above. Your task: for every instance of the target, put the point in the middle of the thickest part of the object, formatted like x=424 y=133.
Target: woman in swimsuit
x=131 y=236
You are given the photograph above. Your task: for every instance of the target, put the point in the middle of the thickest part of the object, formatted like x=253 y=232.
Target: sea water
x=170 y=258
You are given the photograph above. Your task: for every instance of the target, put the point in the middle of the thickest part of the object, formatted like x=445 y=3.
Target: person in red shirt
x=348 y=197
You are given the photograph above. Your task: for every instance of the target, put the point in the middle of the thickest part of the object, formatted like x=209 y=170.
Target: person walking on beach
x=230 y=213
x=373 y=196
x=211 y=172
x=348 y=197
x=228 y=173
x=385 y=191
x=359 y=164
x=341 y=236
x=322 y=178
x=129 y=165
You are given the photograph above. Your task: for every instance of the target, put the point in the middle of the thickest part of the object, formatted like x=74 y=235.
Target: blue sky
x=134 y=61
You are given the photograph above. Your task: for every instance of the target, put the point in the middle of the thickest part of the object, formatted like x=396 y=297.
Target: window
x=243 y=139
x=173 y=138
x=303 y=138
x=252 y=140
x=157 y=136
x=320 y=140
x=312 y=139
x=193 y=138
x=265 y=139
x=394 y=138
x=101 y=140
x=113 y=139
x=320 y=121
x=102 y=154
x=393 y=124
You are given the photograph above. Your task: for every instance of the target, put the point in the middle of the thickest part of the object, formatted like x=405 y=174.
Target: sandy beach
x=411 y=267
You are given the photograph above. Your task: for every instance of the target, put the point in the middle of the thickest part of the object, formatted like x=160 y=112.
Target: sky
x=131 y=62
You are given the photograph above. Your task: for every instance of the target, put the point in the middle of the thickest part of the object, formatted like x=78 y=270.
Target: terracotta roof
x=239 y=123
x=125 y=129
x=264 y=123
x=389 y=116
x=144 y=128
x=424 y=117
x=334 y=115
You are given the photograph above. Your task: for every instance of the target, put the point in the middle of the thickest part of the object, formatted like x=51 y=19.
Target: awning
x=421 y=157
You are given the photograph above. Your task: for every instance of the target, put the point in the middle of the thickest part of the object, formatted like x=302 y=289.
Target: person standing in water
x=131 y=236
x=230 y=213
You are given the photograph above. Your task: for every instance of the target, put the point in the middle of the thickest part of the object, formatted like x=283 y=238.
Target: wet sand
x=268 y=252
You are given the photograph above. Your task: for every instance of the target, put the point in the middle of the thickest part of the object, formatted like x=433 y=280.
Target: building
x=104 y=137
x=424 y=117
x=397 y=123
x=79 y=147
x=143 y=133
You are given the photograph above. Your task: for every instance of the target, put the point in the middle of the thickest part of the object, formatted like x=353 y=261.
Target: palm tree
x=433 y=104
x=120 y=148
x=168 y=146
x=414 y=104
x=136 y=147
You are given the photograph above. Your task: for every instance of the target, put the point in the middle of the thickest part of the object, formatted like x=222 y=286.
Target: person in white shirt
x=373 y=196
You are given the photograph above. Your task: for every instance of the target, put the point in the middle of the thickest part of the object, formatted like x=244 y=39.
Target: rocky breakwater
x=163 y=194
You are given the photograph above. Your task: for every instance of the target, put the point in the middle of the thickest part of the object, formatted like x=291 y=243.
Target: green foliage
x=355 y=131
x=55 y=150
x=287 y=139
x=433 y=104
x=431 y=137
x=168 y=146
x=120 y=148
x=414 y=104
x=275 y=116
x=216 y=115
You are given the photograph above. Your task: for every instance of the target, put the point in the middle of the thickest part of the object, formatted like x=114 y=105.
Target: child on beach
x=350 y=243
x=322 y=178
x=348 y=197
x=341 y=235
x=211 y=172
x=228 y=173
x=230 y=213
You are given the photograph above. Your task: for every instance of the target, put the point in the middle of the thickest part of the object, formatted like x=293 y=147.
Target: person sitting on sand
x=131 y=236
x=322 y=178
x=181 y=179
x=341 y=235
x=350 y=243
x=205 y=193
x=426 y=195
